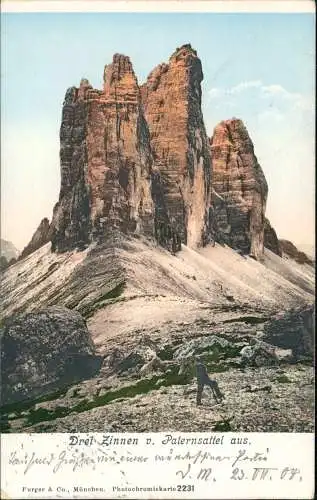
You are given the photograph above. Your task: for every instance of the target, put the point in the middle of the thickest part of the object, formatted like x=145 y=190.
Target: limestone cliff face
x=71 y=215
x=119 y=155
x=105 y=161
x=270 y=238
x=39 y=238
x=172 y=105
x=240 y=189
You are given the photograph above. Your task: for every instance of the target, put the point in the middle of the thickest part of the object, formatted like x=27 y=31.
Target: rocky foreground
x=256 y=400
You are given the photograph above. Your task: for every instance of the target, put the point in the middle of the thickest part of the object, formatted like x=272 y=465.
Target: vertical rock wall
x=240 y=187
x=105 y=161
x=172 y=105
x=71 y=216
x=119 y=155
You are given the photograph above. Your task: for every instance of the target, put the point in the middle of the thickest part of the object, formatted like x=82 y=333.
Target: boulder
x=211 y=347
x=43 y=352
x=131 y=361
x=293 y=330
x=258 y=354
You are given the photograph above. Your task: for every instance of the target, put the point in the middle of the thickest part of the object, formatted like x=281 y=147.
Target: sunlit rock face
x=240 y=189
x=172 y=105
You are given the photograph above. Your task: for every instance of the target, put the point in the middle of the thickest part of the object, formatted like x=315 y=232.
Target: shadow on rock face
x=78 y=366
x=293 y=330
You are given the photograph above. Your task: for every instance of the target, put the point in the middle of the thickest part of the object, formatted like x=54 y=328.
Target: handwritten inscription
x=79 y=460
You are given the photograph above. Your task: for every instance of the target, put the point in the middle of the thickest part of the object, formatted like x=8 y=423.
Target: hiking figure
x=203 y=379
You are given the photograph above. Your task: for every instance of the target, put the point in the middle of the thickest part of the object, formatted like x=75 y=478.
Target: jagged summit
x=120 y=81
x=184 y=50
x=183 y=53
x=234 y=132
x=84 y=83
x=121 y=65
x=135 y=159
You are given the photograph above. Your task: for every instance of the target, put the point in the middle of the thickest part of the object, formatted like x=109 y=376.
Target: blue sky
x=257 y=67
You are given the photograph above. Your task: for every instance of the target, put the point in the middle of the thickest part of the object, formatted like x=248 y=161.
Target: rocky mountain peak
x=241 y=188
x=154 y=78
x=232 y=133
x=138 y=159
x=121 y=65
x=185 y=51
x=172 y=104
x=105 y=161
x=84 y=86
x=119 y=79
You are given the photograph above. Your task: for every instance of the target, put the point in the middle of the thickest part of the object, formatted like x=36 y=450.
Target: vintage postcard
x=157 y=249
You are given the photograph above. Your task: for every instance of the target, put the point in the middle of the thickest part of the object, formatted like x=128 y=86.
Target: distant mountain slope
x=291 y=251
x=8 y=250
x=309 y=250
